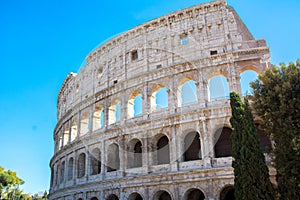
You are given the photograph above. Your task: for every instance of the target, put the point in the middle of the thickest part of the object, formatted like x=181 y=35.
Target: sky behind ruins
x=42 y=41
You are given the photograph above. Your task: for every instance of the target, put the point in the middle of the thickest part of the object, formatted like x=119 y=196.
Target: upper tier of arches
x=190 y=92
x=144 y=52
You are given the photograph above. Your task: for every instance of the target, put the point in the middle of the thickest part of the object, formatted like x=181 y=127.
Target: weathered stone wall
x=196 y=44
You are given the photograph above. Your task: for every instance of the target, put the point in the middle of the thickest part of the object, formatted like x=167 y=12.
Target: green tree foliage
x=277 y=101
x=10 y=187
x=9 y=181
x=250 y=170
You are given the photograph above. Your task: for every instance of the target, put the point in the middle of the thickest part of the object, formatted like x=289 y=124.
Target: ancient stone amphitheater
x=147 y=117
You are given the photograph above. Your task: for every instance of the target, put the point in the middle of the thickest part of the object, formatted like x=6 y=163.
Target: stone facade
x=104 y=149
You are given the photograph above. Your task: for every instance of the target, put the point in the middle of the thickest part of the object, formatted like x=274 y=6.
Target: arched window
x=187 y=93
x=194 y=194
x=159 y=98
x=112 y=197
x=66 y=134
x=113 y=159
x=57 y=174
x=74 y=130
x=135 y=196
x=223 y=146
x=70 y=169
x=84 y=123
x=162 y=195
x=98 y=118
x=227 y=193
x=114 y=112
x=218 y=88
x=134 y=154
x=245 y=78
x=62 y=172
x=192 y=147
x=94 y=198
x=81 y=165
x=60 y=142
x=135 y=105
x=163 y=151
x=95 y=159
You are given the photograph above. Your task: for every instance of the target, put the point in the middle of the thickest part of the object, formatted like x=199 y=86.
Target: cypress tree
x=250 y=170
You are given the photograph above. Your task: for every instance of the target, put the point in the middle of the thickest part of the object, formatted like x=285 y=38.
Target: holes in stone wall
x=134 y=106
x=113 y=159
x=187 y=93
x=81 y=165
x=218 y=88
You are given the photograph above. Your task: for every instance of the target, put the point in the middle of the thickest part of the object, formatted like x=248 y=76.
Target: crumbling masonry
x=117 y=139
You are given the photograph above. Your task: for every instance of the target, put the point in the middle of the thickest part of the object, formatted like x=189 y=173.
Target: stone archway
x=227 y=193
x=135 y=196
x=162 y=195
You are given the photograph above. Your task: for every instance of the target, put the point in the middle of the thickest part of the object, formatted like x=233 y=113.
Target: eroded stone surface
x=196 y=44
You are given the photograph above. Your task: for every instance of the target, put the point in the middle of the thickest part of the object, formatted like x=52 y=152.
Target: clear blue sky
x=41 y=41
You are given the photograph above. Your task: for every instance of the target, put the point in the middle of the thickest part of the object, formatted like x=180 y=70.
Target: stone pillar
x=201 y=90
x=62 y=132
x=90 y=125
x=103 y=160
x=173 y=144
x=78 y=124
x=70 y=128
x=122 y=152
x=145 y=154
x=75 y=167
x=86 y=163
x=205 y=92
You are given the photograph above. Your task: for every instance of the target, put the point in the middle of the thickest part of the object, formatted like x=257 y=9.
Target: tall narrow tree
x=251 y=172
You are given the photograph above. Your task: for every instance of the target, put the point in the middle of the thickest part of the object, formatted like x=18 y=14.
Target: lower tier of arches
x=213 y=184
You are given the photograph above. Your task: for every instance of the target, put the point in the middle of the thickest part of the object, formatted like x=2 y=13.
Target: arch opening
x=135 y=196
x=95 y=159
x=187 y=93
x=227 y=193
x=74 y=130
x=246 y=78
x=113 y=158
x=218 y=88
x=84 y=123
x=112 y=197
x=159 y=98
x=62 y=172
x=135 y=105
x=162 y=195
x=223 y=145
x=98 y=117
x=194 y=194
x=192 y=147
x=163 y=150
x=81 y=165
x=70 y=169
x=134 y=154
x=114 y=112
x=66 y=135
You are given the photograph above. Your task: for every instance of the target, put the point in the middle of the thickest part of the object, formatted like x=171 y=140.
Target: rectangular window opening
x=184 y=40
x=134 y=55
x=215 y=52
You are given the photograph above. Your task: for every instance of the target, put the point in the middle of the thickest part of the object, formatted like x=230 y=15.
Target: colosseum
x=147 y=116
